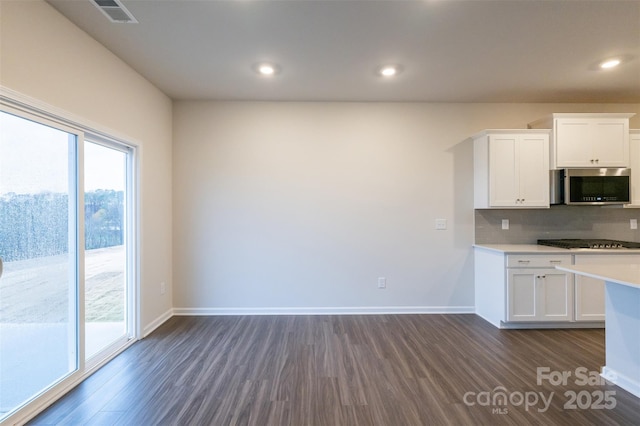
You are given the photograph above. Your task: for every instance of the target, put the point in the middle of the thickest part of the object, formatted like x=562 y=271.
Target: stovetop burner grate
x=589 y=244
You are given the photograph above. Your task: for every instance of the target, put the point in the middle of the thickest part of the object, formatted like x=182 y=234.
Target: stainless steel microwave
x=590 y=186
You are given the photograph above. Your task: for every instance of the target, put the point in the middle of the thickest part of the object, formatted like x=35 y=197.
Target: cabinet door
x=589 y=299
x=538 y=295
x=503 y=182
x=573 y=142
x=522 y=295
x=533 y=171
x=555 y=295
x=610 y=143
x=591 y=142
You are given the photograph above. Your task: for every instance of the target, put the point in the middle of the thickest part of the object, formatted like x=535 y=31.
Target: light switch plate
x=382 y=282
x=441 y=224
x=505 y=223
x=633 y=223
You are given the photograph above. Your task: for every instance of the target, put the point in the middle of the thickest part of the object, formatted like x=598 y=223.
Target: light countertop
x=539 y=249
x=624 y=274
x=521 y=248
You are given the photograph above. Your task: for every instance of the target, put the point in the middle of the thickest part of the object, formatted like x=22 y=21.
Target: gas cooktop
x=589 y=244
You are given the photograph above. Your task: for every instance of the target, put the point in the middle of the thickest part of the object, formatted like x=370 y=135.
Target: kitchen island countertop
x=624 y=274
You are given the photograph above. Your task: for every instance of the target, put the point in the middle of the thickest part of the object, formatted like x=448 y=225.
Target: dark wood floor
x=344 y=370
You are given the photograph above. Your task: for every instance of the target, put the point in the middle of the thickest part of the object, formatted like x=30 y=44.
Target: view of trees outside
x=34 y=233
x=35 y=225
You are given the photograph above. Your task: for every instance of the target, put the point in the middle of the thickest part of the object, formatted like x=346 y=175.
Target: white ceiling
x=451 y=50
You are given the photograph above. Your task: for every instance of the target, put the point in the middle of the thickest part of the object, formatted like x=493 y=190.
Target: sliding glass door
x=39 y=235
x=68 y=253
x=106 y=256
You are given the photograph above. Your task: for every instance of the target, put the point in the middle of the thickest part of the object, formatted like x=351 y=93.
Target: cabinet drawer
x=537 y=261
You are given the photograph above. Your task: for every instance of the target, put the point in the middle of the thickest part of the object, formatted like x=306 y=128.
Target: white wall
x=301 y=206
x=44 y=56
x=305 y=205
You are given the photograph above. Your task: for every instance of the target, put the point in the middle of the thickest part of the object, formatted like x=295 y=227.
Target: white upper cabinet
x=587 y=140
x=511 y=169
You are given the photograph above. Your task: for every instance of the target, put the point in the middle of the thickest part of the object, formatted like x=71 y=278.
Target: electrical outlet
x=505 y=223
x=163 y=288
x=382 y=282
x=633 y=223
x=441 y=224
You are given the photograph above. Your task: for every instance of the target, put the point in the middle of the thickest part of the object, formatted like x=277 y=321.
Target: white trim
x=379 y=310
x=157 y=323
x=356 y=310
x=547 y=325
x=77 y=188
x=630 y=385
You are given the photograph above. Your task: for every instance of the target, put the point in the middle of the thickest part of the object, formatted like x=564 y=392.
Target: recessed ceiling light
x=389 y=71
x=266 y=69
x=610 y=63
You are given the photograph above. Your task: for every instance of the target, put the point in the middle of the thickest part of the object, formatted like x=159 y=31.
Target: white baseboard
x=631 y=385
x=548 y=325
x=157 y=323
x=376 y=310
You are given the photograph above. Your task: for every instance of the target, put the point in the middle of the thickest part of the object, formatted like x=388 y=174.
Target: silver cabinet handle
x=555 y=261
x=0 y=267
x=524 y=261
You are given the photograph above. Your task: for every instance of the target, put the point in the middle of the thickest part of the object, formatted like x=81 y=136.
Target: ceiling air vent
x=115 y=11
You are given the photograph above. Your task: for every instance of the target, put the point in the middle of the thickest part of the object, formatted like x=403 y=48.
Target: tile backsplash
x=527 y=226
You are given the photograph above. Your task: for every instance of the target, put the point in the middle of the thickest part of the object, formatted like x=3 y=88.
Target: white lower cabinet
x=523 y=290
x=539 y=295
x=589 y=292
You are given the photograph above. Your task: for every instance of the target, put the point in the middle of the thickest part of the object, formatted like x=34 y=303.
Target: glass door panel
x=105 y=176
x=38 y=245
